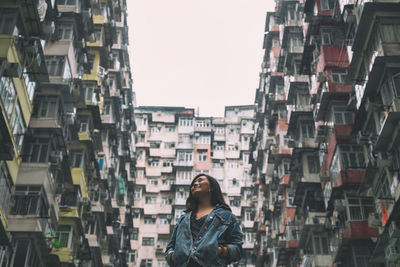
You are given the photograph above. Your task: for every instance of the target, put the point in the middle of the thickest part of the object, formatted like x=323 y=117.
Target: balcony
x=388 y=133
x=362 y=41
x=232 y=154
x=79 y=178
x=332 y=56
x=184 y=163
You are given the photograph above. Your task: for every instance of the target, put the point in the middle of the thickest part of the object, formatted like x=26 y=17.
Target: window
x=170 y=129
x=275 y=42
x=249 y=216
x=151 y=200
x=154 y=129
x=168 y=163
x=154 y=163
x=98 y=35
x=185 y=122
x=152 y=181
x=46 y=106
x=396 y=84
x=149 y=220
x=5 y=186
x=148 y=241
x=313 y=164
x=185 y=156
x=320 y=242
x=234 y=182
x=326 y=5
x=351 y=156
x=326 y=38
x=203 y=139
x=29 y=200
x=202 y=123
x=77 y=159
x=295 y=41
x=182 y=194
x=140 y=173
x=234 y=201
x=339 y=76
x=38 y=150
x=18 y=127
x=341 y=116
x=146 y=263
x=138 y=193
x=55 y=65
x=284 y=168
x=66 y=32
x=8 y=20
x=307 y=130
x=107 y=108
x=30 y=85
x=131 y=256
x=390 y=33
x=8 y=94
x=165 y=221
x=249 y=237
x=166 y=201
x=184 y=175
x=280 y=89
x=290 y=198
x=202 y=155
x=246 y=158
x=233 y=164
x=64 y=236
x=84 y=125
x=358 y=209
x=90 y=94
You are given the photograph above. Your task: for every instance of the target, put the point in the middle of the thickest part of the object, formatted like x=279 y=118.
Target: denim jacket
x=220 y=229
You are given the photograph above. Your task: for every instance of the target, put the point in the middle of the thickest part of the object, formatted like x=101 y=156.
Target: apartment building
x=172 y=146
x=68 y=158
x=326 y=143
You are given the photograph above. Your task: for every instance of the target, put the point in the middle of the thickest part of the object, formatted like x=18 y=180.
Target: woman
x=208 y=234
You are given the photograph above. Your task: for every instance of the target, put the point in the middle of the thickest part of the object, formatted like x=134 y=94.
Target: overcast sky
x=202 y=54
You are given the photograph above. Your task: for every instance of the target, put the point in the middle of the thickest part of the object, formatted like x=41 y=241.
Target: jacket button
x=199 y=237
x=195 y=247
x=211 y=217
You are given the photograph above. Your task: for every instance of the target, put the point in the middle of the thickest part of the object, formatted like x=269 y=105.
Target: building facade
x=68 y=157
x=326 y=143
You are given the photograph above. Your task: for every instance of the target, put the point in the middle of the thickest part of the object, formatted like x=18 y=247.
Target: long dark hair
x=192 y=204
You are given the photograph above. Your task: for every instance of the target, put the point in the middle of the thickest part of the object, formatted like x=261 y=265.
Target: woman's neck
x=205 y=204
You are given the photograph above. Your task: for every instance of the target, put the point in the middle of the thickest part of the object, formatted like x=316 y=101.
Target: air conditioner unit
x=392 y=253
x=153 y=216
x=394 y=231
x=169 y=216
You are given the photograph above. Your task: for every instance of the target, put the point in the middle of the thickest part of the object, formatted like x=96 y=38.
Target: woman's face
x=201 y=186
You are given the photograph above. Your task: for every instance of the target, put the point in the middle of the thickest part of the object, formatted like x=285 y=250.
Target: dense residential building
x=172 y=146
x=326 y=148
x=67 y=154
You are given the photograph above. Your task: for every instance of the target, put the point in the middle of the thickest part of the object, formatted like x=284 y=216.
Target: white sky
x=196 y=53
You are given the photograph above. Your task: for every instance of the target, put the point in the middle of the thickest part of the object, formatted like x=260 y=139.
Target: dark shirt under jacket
x=195 y=226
